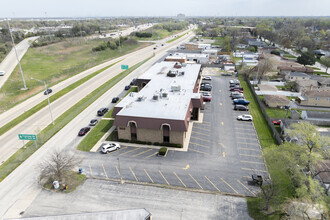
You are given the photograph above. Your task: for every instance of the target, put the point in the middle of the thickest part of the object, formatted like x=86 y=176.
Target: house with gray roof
x=295 y=76
x=320 y=98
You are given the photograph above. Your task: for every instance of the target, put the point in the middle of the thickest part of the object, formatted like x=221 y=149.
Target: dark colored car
x=207 y=98
x=93 y=122
x=277 y=122
x=206 y=88
x=236 y=89
x=84 y=131
x=127 y=87
x=241 y=108
x=102 y=111
x=133 y=82
x=48 y=91
x=241 y=102
x=115 y=99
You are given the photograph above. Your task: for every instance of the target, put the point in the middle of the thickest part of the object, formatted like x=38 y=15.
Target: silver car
x=109 y=147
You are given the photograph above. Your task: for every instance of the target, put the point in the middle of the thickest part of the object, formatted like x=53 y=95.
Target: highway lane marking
x=243 y=161
x=199 y=139
x=246 y=188
x=229 y=185
x=106 y=175
x=263 y=171
x=202 y=129
x=195 y=181
x=200 y=133
x=129 y=151
x=134 y=174
x=151 y=155
x=212 y=183
x=199 y=144
x=180 y=180
x=163 y=177
x=118 y=171
x=142 y=152
x=148 y=175
x=199 y=151
x=90 y=169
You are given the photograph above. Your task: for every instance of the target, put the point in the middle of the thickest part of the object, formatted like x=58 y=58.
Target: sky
x=109 y=8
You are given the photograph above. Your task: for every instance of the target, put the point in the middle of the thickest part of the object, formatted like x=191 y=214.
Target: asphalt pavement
x=223 y=154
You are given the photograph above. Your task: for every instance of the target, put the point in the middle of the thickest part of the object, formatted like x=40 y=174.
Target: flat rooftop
x=163 y=97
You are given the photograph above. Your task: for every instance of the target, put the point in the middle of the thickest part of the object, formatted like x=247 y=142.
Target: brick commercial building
x=162 y=110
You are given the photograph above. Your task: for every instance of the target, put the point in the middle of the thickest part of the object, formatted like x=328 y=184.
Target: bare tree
x=267 y=189
x=264 y=66
x=58 y=165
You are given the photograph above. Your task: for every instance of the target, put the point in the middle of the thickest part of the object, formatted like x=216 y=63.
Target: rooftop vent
x=140 y=99
x=177 y=65
x=172 y=73
x=175 y=87
x=155 y=97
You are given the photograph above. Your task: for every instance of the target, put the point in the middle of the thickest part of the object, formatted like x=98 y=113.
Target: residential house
x=274 y=101
x=319 y=98
x=323 y=83
x=295 y=76
x=286 y=69
x=303 y=85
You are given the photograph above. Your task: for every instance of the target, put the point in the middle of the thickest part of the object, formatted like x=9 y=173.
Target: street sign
x=30 y=137
x=124 y=67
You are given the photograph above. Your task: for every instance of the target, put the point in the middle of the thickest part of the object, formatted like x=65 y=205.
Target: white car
x=244 y=118
x=207 y=78
x=107 y=148
x=2 y=73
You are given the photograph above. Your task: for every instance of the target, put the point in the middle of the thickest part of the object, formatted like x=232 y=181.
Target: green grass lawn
x=174 y=39
x=161 y=33
x=54 y=63
x=264 y=132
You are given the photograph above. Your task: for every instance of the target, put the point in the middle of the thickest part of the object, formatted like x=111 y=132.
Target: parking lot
x=222 y=154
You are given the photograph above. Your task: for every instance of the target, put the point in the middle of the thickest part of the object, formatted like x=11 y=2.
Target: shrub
x=149 y=143
x=123 y=140
x=276 y=52
x=143 y=34
x=162 y=151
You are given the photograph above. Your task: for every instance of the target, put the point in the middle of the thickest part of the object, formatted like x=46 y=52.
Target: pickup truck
x=241 y=102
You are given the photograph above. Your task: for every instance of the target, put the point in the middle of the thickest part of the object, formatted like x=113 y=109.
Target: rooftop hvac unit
x=172 y=73
x=140 y=99
x=175 y=87
x=164 y=94
x=155 y=97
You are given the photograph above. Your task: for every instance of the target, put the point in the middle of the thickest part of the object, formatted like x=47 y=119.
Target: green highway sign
x=30 y=137
x=124 y=67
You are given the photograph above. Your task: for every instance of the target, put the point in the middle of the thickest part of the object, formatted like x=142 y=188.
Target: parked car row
x=240 y=103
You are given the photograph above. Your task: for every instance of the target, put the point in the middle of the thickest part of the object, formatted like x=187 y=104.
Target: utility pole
x=19 y=63
x=48 y=27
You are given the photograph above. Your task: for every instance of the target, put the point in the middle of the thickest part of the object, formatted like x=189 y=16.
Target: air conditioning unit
x=155 y=97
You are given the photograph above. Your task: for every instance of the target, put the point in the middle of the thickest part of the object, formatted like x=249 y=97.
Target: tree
x=306 y=59
x=264 y=66
x=326 y=62
x=57 y=166
x=268 y=190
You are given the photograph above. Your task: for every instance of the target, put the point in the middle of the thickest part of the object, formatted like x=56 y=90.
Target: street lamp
x=50 y=110
x=19 y=63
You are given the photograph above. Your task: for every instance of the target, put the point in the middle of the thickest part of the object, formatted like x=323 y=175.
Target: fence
x=276 y=135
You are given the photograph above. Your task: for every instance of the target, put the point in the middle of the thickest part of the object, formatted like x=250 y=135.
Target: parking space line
x=195 y=181
x=90 y=169
x=202 y=129
x=151 y=155
x=122 y=148
x=243 y=161
x=200 y=133
x=134 y=174
x=246 y=188
x=242 y=148
x=220 y=104
x=263 y=171
x=148 y=175
x=106 y=175
x=163 y=177
x=199 y=139
x=248 y=143
x=212 y=183
x=129 y=151
x=199 y=151
x=245 y=129
x=199 y=144
x=229 y=185
x=246 y=133
x=118 y=171
x=247 y=155
x=142 y=152
x=222 y=123
x=248 y=138
x=180 y=180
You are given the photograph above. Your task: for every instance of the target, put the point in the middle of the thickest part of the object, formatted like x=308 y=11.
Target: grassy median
x=174 y=39
x=43 y=136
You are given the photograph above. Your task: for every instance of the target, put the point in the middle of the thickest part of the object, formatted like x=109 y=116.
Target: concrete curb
x=101 y=141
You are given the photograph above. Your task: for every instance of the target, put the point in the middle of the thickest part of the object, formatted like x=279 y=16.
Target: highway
x=19 y=183
x=10 y=62
x=40 y=120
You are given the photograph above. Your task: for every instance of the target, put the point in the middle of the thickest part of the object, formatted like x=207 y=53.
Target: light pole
x=19 y=63
x=50 y=109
